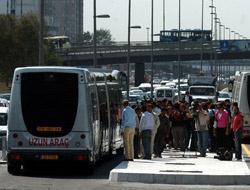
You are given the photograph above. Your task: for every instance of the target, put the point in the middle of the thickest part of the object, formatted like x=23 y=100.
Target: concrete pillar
x=139 y=73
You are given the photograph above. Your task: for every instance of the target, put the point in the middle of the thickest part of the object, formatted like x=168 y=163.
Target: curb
x=179 y=179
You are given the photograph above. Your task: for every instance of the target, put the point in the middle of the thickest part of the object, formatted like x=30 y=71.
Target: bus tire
x=14 y=169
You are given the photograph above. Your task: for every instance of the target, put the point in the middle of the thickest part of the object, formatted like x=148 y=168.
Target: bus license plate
x=50 y=157
x=49 y=129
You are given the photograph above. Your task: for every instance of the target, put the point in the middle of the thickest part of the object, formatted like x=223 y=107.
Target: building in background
x=4 y=6
x=63 y=17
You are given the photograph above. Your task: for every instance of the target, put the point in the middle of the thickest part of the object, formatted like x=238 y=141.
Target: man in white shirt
x=146 y=127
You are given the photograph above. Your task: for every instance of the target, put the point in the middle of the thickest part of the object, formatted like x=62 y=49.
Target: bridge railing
x=120 y=47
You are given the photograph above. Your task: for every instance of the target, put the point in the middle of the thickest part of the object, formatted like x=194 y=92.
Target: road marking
x=246 y=150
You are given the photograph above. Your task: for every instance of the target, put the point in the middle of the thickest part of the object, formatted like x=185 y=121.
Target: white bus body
x=241 y=94
x=63 y=114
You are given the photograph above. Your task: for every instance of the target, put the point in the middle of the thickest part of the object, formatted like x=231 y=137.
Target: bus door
x=104 y=116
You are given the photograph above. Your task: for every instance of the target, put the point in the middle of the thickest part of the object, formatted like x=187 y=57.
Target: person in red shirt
x=238 y=131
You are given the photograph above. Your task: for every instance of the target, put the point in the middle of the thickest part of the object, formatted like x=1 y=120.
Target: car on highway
x=3 y=120
x=4 y=103
x=223 y=96
x=5 y=96
x=134 y=99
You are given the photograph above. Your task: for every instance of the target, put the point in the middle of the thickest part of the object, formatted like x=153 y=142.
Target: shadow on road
x=69 y=172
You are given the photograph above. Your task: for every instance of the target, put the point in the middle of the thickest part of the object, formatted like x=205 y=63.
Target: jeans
x=146 y=141
x=238 y=136
x=202 y=142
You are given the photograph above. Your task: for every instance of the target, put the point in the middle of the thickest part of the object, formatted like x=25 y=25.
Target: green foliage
x=19 y=39
x=103 y=36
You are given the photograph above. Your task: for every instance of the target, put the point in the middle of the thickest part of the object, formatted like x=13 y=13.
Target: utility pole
x=41 y=60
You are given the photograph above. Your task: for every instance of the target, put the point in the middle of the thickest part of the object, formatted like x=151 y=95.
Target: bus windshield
x=202 y=91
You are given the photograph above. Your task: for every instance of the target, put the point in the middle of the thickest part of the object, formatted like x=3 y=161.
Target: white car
x=3 y=120
x=4 y=103
x=224 y=96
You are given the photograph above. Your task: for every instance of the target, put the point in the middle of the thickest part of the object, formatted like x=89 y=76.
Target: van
x=162 y=93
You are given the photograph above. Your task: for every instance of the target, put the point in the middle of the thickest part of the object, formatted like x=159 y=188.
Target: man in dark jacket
x=188 y=98
x=162 y=131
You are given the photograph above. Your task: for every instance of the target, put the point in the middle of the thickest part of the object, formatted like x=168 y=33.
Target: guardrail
x=138 y=47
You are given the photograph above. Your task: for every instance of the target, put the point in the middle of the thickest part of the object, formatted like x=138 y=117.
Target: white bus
x=62 y=114
x=241 y=94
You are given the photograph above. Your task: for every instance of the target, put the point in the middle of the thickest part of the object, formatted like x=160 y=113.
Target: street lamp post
x=152 y=46
x=147 y=35
x=41 y=59
x=94 y=36
x=179 y=52
x=218 y=22
x=237 y=34
x=164 y=15
x=211 y=43
x=224 y=33
x=128 y=53
x=229 y=33
x=202 y=15
x=234 y=33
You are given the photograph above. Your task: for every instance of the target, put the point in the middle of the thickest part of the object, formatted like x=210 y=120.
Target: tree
x=103 y=36
x=19 y=39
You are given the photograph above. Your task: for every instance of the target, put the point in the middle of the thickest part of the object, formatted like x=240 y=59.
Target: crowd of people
x=151 y=127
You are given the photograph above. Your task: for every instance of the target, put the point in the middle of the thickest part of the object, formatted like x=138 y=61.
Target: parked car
x=224 y=96
x=5 y=96
x=4 y=103
x=3 y=120
x=134 y=99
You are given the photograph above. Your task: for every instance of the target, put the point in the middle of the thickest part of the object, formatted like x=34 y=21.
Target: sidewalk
x=173 y=168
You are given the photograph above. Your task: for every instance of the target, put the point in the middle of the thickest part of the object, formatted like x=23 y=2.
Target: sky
x=234 y=14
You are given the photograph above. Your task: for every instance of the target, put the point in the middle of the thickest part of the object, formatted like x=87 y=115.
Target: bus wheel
x=14 y=169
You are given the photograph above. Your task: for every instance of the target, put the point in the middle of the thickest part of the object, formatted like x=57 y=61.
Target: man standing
x=188 y=98
x=162 y=132
x=156 y=125
x=238 y=131
x=128 y=130
x=146 y=126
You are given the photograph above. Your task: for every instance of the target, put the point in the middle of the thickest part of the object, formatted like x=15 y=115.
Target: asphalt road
x=53 y=178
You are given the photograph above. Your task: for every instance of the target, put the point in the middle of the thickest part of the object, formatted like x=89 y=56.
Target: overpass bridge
x=116 y=53
x=140 y=53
